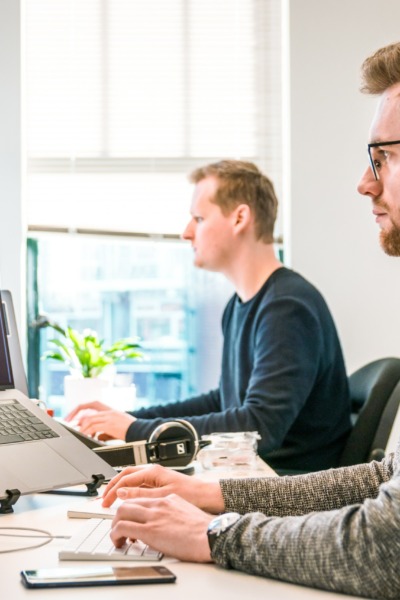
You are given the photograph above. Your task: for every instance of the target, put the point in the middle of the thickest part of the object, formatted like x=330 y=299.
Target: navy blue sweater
x=282 y=375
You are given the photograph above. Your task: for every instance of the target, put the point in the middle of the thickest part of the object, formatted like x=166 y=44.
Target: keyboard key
x=41 y=427
x=12 y=438
x=92 y=542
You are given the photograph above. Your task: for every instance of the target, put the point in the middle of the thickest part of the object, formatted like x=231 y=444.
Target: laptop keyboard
x=92 y=542
x=18 y=424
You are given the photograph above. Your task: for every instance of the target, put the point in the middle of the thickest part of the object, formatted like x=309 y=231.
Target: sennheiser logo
x=180 y=448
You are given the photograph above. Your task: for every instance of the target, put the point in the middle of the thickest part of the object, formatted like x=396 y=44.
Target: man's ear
x=241 y=217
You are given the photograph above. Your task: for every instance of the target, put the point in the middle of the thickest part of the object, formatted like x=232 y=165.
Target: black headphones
x=172 y=444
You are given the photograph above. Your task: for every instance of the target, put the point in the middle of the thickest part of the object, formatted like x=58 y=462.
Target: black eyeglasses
x=375 y=160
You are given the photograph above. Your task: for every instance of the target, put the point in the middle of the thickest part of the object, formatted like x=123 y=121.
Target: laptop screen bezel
x=9 y=384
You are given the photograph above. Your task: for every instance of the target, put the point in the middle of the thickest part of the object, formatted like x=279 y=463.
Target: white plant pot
x=120 y=398
x=78 y=390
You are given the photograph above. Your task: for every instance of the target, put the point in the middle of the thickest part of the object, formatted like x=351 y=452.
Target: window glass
x=123 y=288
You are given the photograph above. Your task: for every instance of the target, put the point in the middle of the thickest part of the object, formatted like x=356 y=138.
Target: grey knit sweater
x=337 y=530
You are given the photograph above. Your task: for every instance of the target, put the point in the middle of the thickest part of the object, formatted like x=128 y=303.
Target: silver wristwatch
x=219 y=525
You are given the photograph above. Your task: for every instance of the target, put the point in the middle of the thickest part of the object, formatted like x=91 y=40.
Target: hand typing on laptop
x=95 y=418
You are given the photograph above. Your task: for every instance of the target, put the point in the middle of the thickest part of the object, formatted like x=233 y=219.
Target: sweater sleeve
x=209 y=402
x=352 y=550
x=302 y=494
x=147 y=419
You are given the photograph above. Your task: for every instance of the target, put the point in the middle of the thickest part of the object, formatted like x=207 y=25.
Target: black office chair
x=375 y=397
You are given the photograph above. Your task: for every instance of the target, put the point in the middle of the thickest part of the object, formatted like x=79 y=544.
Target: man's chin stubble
x=390 y=242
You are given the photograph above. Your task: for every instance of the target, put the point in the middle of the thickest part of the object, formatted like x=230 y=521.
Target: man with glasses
x=337 y=530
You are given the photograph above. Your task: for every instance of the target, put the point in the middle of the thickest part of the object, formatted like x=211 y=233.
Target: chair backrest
x=375 y=398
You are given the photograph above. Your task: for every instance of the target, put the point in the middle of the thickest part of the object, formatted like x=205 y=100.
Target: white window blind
x=125 y=97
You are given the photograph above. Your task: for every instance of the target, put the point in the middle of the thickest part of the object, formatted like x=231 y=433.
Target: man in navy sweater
x=282 y=372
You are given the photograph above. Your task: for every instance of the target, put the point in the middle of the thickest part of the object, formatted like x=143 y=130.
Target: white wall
x=12 y=241
x=333 y=236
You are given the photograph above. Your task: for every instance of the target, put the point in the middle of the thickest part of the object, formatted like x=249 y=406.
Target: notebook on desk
x=36 y=453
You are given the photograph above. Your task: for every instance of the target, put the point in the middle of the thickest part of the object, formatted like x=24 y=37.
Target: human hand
x=155 y=481
x=95 y=406
x=170 y=525
x=109 y=423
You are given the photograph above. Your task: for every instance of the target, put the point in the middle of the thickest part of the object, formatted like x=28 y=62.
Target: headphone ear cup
x=177 y=442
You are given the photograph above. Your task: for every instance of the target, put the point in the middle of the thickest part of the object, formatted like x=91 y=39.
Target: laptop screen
x=6 y=376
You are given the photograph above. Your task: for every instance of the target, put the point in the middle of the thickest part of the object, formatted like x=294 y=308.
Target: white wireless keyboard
x=92 y=542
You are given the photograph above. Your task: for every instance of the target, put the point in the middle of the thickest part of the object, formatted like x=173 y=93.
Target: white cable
x=46 y=534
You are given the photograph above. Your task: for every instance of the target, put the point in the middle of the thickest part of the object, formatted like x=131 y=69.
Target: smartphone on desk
x=91 y=576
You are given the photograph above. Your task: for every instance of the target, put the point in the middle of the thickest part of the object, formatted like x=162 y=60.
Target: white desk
x=194 y=581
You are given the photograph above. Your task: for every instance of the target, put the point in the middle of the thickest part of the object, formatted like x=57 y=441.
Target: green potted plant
x=84 y=353
x=88 y=359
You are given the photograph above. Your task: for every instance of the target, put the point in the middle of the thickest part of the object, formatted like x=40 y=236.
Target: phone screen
x=88 y=576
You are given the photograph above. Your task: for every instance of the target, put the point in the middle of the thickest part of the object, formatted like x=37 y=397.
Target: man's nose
x=368 y=185
x=187 y=233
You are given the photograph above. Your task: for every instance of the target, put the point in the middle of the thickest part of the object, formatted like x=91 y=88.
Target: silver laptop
x=36 y=453
x=20 y=382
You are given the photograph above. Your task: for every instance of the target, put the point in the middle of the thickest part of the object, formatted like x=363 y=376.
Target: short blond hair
x=381 y=70
x=241 y=182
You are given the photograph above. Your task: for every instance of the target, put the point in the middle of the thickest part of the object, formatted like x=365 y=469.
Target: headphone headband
x=171 y=444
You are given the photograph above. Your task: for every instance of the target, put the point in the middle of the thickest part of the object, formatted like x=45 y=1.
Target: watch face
x=219 y=525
